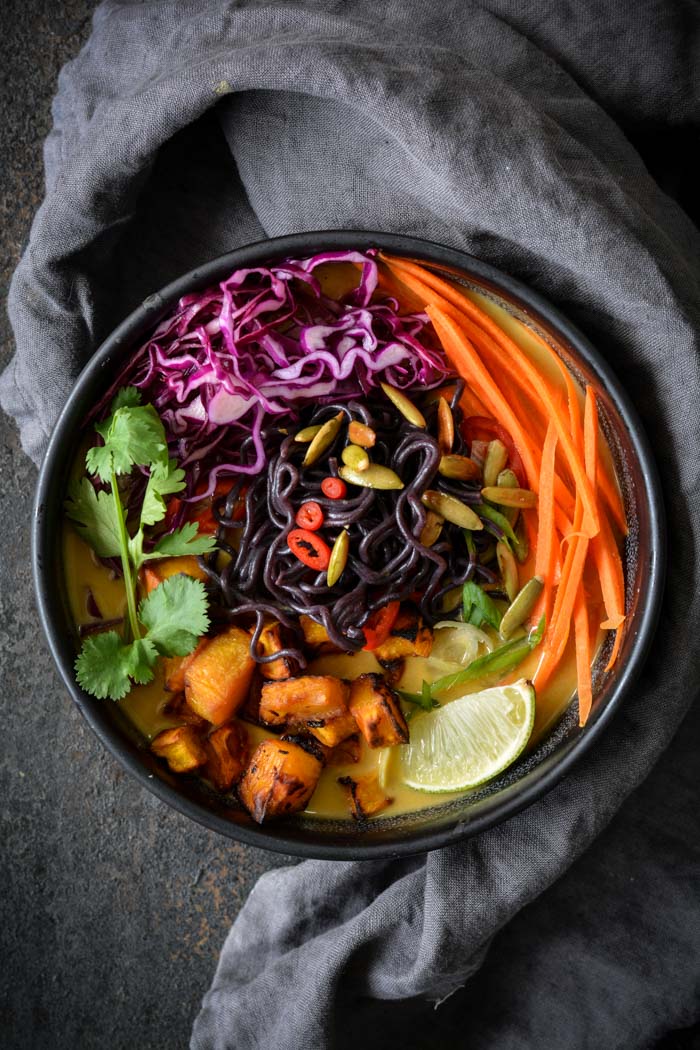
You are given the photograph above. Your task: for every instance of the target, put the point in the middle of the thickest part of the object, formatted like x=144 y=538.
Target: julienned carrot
x=584 y=658
x=463 y=355
x=509 y=353
x=590 y=435
x=546 y=536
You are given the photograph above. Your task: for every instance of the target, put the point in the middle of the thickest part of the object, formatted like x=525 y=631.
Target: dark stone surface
x=112 y=907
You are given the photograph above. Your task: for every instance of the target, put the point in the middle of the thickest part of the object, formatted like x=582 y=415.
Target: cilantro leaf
x=478 y=607
x=107 y=664
x=175 y=615
x=181 y=542
x=127 y=397
x=93 y=515
x=162 y=482
x=133 y=436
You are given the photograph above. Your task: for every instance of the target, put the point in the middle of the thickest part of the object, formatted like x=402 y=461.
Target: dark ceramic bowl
x=523 y=782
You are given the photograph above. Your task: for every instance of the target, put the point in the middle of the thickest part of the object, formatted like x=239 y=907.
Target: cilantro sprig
x=173 y=617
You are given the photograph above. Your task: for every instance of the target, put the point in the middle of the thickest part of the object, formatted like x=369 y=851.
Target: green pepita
x=496 y=459
x=461 y=468
x=338 y=559
x=404 y=405
x=452 y=509
x=521 y=606
x=430 y=532
x=323 y=440
x=507 y=479
x=508 y=568
x=375 y=477
x=362 y=435
x=521 y=498
x=355 y=457
x=446 y=427
x=521 y=547
x=308 y=434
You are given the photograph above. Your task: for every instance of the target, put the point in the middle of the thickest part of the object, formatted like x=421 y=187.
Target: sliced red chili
x=334 y=488
x=485 y=429
x=309 y=548
x=378 y=626
x=309 y=516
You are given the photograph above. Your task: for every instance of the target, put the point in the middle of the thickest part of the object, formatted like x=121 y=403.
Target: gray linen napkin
x=485 y=126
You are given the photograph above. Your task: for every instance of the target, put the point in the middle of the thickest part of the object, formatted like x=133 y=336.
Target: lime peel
x=468 y=741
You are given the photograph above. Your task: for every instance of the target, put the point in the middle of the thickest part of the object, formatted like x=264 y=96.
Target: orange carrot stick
x=584 y=659
x=590 y=435
x=546 y=535
x=509 y=353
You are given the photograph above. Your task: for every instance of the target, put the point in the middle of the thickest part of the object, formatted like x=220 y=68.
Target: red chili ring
x=334 y=488
x=309 y=548
x=309 y=516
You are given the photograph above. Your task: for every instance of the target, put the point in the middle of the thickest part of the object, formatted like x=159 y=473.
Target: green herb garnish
x=170 y=621
x=479 y=607
x=423 y=699
x=485 y=510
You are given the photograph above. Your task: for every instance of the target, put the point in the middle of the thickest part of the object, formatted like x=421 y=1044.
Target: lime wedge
x=469 y=740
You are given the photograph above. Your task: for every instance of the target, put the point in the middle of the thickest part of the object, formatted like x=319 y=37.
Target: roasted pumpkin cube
x=218 y=679
x=227 y=755
x=280 y=779
x=269 y=642
x=250 y=709
x=377 y=711
x=409 y=637
x=365 y=796
x=308 y=698
x=174 y=667
x=156 y=571
x=346 y=752
x=331 y=731
x=181 y=748
x=316 y=636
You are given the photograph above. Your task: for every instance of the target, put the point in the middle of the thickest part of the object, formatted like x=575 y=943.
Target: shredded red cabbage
x=265 y=343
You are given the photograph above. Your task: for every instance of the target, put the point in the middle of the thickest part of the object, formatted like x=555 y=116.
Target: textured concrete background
x=113 y=907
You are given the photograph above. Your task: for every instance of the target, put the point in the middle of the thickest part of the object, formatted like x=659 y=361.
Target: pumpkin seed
x=446 y=427
x=496 y=459
x=407 y=409
x=461 y=468
x=508 y=568
x=452 y=510
x=375 y=477
x=355 y=457
x=338 y=559
x=430 y=532
x=361 y=434
x=307 y=434
x=521 y=498
x=521 y=547
x=507 y=479
x=521 y=606
x=323 y=440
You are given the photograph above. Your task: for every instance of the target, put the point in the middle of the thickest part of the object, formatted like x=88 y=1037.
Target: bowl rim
x=492 y=810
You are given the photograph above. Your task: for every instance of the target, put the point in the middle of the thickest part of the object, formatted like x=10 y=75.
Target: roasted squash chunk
x=181 y=748
x=157 y=571
x=316 y=635
x=174 y=667
x=409 y=637
x=175 y=706
x=333 y=730
x=269 y=642
x=218 y=679
x=377 y=711
x=280 y=779
x=227 y=755
x=365 y=796
x=346 y=752
x=317 y=698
